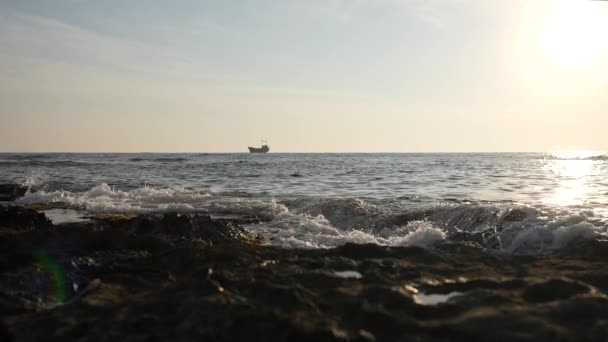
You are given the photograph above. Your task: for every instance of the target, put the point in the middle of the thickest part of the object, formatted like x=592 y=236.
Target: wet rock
x=5 y=334
x=513 y=215
x=467 y=218
x=404 y=219
x=590 y=249
x=554 y=289
x=10 y=192
x=358 y=251
x=174 y=225
x=474 y=237
x=18 y=218
x=112 y=217
x=191 y=277
x=49 y=206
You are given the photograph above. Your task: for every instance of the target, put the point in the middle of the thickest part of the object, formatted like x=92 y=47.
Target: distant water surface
x=323 y=200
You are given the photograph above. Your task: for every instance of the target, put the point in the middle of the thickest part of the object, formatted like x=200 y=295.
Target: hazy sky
x=309 y=75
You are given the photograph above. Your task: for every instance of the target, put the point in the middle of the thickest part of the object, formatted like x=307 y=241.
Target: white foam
x=104 y=198
x=246 y=207
x=525 y=240
x=348 y=274
x=533 y=235
x=343 y=213
x=538 y=236
x=584 y=230
x=327 y=223
x=435 y=299
x=421 y=233
x=32 y=180
x=304 y=231
x=61 y=216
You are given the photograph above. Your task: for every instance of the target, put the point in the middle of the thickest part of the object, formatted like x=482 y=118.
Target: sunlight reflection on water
x=576 y=176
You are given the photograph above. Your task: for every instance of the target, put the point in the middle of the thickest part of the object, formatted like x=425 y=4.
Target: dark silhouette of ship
x=263 y=149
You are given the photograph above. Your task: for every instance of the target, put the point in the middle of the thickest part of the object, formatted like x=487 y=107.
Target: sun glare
x=576 y=33
x=561 y=48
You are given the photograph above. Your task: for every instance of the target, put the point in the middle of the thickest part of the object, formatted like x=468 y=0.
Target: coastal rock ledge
x=10 y=192
x=191 y=277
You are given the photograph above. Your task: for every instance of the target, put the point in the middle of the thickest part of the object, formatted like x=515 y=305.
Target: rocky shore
x=193 y=278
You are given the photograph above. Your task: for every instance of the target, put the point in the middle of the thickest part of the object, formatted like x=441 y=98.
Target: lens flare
x=56 y=273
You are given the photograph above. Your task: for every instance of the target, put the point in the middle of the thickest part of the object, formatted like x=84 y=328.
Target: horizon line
x=287 y=152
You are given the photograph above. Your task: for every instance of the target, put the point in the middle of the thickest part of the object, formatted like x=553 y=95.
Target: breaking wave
x=104 y=198
x=503 y=229
x=325 y=223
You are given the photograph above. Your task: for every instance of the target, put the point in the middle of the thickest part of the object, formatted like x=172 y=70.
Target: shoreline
x=188 y=277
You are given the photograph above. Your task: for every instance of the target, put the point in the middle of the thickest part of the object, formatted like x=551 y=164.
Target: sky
x=307 y=75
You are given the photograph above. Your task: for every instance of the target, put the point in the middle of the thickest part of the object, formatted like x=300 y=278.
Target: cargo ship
x=263 y=149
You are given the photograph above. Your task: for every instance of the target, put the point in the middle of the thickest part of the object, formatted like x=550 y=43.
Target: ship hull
x=258 y=150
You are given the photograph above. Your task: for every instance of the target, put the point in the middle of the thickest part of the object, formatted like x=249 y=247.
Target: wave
x=599 y=157
x=159 y=160
x=331 y=222
x=104 y=198
x=503 y=229
x=33 y=180
x=21 y=157
x=48 y=163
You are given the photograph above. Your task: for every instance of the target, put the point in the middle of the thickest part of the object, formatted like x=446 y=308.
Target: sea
x=516 y=203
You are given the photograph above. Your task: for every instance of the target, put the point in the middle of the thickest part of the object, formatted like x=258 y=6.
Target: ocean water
x=508 y=203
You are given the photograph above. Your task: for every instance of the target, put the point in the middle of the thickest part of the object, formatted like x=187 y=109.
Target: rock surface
x=18 y=218
x=10 y=192
x=189 y=277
